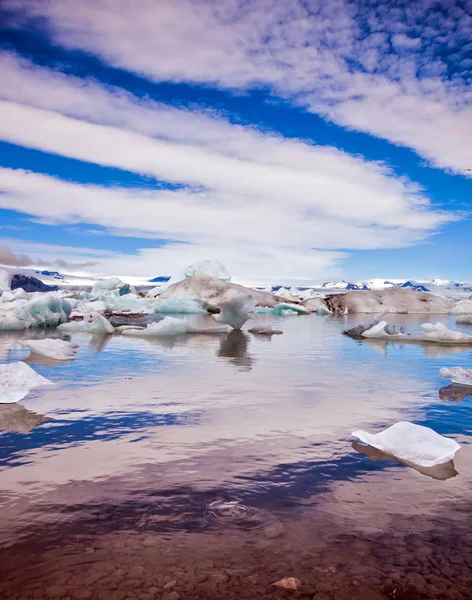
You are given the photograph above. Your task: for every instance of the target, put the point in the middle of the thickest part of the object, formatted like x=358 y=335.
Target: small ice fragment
x=55 y=349
x=16 y=380
x=264 y=330
x=457 y=375
x=413 y=443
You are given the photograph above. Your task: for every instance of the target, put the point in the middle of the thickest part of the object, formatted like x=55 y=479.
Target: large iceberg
x=412 y=443
x=457 y=375
x=52 y=348
x=213 y=291
x=235 y=312
x=169 y=326
x=390 y=300
x=317 y=305
x=16 y=380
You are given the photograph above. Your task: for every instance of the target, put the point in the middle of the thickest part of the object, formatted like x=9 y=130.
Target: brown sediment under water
x=213 y=466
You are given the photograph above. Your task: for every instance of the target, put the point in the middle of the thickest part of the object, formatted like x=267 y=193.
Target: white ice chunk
x=235 y=312
x=317 y=305
x=169 y=326
x=412 y=443
x=93 y=323
x=106 y=285
x=457 y=375
x=464 y=320
x=51 y=348
x=432 y=332
x=39 y=310
x=16 y=380
x=463 y=307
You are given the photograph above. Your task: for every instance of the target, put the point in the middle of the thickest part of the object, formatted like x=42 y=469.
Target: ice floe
x=52 y=348
x=432 y=332
x=16 y=380
x=39 y=310
x=463 y=307
x=464 y=320
x=283 y=309
x=457 y=375
x=92 y=323
x=170 y=326
x=413 y=443
x=317 y=305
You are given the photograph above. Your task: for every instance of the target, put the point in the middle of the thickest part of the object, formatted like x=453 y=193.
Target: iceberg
x=16 y=380
x=283 y=309
x=412 y=443
x=235 y=312
x=440 y=472
x=464 y=320
x=317 y=305
x=432 y=332
x=214 y=291
x=209 y=268
x=463 y=307
x=55 y=349
x=169 y=326
x=49 y=310
x=106 y=285
x=175 y=306
x=457 y=375
x=390 y=300
x=92 y=323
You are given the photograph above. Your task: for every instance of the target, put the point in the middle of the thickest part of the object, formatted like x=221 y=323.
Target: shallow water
x=211 y=466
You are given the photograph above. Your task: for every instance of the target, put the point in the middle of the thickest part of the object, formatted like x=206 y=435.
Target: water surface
x=212 y=466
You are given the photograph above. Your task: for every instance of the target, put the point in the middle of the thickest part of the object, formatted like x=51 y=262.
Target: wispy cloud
x=398 y=71
x=12 y=259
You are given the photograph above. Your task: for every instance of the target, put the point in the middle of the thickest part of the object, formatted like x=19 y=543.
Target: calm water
x=213 y=466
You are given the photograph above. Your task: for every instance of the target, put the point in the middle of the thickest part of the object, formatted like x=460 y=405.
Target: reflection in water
x=99 y=341
x=431 y=350
x=234 y=346
x=133 y=486
x=455 y=392
x=16 y=418
x=439 y=472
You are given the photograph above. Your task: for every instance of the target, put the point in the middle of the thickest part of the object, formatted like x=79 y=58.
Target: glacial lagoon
x=213 y=466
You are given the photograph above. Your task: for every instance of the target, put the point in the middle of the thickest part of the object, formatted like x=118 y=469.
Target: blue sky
x=296 y=142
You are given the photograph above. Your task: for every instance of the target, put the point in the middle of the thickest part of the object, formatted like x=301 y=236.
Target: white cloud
x=333 y=57
x=253 y=198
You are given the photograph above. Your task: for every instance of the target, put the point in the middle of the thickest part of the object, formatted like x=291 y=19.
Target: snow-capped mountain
x=343 y=285
x=52 y=274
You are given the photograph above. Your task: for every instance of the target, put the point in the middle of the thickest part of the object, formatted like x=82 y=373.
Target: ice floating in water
x=463 y=307
x=264 y=330
x=169 y=326
x=16 y=380
x=93 y=323
x=283 y=309
x=440 y=472
x=235 y=312
x=55 y=349
x=464 y=320
x=179 y=306
x=47 y=311
x=457 y=375
x=412 y=443
x=432 y=332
